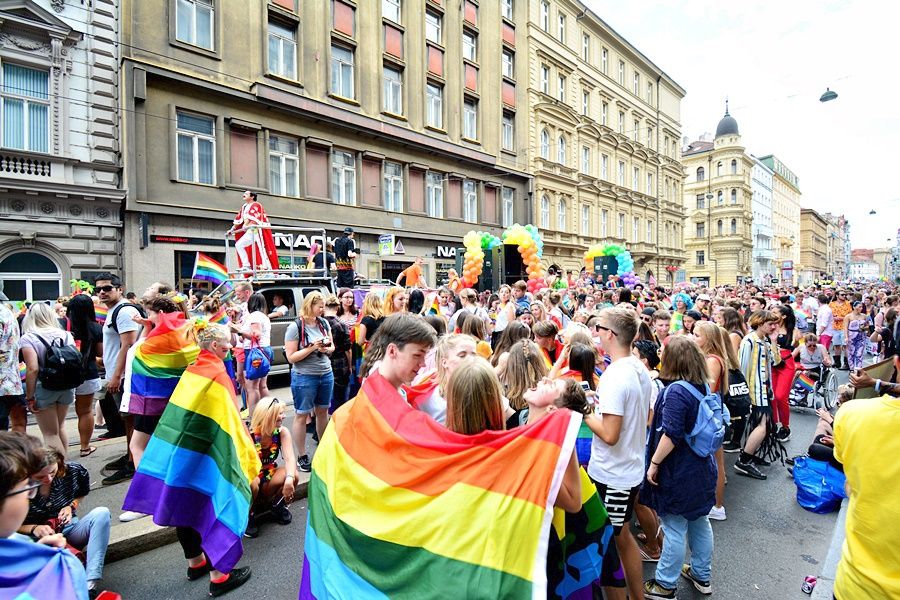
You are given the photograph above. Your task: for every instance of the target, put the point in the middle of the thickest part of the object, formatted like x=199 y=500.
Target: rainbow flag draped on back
x=400 y=507
x=158 y=363
x=101 y=312
x=197 y=468
x=30 y=571
x=208 y=269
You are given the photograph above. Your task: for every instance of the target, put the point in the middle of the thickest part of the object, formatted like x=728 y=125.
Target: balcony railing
x=19 y=166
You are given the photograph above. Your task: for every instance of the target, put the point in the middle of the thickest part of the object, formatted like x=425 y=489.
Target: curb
x=824 y=589
x=143 y=535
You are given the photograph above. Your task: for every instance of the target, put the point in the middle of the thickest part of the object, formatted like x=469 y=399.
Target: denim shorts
x=44 y=398
x=311 y=391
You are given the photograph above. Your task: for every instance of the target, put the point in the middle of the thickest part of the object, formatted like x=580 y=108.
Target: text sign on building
x=303 y=242
x=386 y=244
x=446 y=252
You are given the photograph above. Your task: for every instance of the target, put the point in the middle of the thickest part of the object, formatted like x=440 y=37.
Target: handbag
x=820 y=487
x=256 y=362
x=57 y=526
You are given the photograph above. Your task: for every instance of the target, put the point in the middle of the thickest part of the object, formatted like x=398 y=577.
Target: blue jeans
x=311 y=391
x=91 y=534
x=700 y=540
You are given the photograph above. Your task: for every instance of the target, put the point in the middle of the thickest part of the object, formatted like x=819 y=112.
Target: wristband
x=74 y=504
x=654 y=463
x=288 y=476
x=877 y=386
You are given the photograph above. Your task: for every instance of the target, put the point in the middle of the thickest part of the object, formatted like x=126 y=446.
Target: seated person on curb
x=822 y=446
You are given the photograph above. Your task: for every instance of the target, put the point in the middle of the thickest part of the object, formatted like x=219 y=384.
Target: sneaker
x=760 y=462
x=123 y=474
x=119 y=463
x=195 y=573
x=717 y=513
x=236 y=579
x=654 y=591
x=282 y=514
x=304 y=464
x=731 y=447
x=110 y=436
x=784 y=434
x=749 y=469
x=130 y=515
x=701 y=586
x=252 y=530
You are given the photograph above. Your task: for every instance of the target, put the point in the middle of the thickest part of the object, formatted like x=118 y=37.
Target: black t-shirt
x=89 y=350
x=372 y=326
x=342 y=248
x=319 y=258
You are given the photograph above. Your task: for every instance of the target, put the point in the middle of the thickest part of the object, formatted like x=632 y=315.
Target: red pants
x=782 y=378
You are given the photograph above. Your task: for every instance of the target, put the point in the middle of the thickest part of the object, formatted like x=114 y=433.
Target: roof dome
x=727 y=126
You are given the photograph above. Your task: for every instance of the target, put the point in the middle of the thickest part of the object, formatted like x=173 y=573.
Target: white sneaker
x=130 y=515
x=717 y=513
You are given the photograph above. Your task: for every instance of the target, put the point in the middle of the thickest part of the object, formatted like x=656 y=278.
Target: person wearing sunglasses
x=840 y=308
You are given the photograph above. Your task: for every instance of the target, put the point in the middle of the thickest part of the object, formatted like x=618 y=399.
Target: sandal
x=646 y=556
x=88 y=451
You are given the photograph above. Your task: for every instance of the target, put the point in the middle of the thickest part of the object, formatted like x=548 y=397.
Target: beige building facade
x=813 y=263
x=403 y=117
x=837 y=246
x=785 y=211
x=602 y=141
x=718 y=238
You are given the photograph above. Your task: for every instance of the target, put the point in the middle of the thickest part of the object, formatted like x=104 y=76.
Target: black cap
x=649 y=311
x=348 y=230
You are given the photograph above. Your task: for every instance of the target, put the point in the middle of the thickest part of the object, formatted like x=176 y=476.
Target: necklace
x=268 y=462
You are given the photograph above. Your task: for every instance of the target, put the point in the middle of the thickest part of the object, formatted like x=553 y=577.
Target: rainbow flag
x=400 y=506
x=197 y=468
x=806 y=382
x=435 y=308
x=157 y=363
x=220 y=317
x=32 y=571
x=102 y=311
x=22 y=370
x=207 y=269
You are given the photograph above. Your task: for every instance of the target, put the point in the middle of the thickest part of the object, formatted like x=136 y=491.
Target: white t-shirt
x=811 y=305
x=626 y=390
x=435 y=406
x=265 y=329
x=825 y=321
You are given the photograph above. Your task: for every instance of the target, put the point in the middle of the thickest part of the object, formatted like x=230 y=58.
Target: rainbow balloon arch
x=625 y=262
x=529 y=243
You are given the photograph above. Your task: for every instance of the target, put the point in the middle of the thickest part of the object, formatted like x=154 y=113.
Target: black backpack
x=115 y=314
x=737 y=399
x=63 y=366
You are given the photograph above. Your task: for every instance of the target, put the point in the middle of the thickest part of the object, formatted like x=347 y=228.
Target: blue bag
x=257 y=362
x=820 y=487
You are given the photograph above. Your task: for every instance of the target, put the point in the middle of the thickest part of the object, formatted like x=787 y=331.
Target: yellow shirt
x=867 y=444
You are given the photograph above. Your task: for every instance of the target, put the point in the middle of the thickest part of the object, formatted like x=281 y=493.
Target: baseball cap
x=348 y=230
x=704 y=297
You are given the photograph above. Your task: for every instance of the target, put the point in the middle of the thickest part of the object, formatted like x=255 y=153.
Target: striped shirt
x=757 y=357
x=75 y=484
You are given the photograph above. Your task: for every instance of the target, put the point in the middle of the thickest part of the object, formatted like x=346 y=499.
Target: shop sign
x=446 y=252
x=180 y=239
x=303 y=242
x=386 y=244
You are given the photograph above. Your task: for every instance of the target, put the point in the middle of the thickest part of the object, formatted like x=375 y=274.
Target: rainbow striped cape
x=197 y=468
x=30 y=571
x=101 y=312
x=401 y=507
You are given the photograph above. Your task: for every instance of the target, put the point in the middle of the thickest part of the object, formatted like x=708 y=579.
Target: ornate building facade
x=764 y=268
x=785 y=211
x=813 y=247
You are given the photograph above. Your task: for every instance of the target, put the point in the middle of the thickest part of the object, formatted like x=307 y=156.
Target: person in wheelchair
x=814 y=360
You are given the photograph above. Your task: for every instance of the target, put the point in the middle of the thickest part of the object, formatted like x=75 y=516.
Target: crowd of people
x=639 y=364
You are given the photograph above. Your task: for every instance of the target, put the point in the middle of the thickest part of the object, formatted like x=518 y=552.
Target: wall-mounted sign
x=303 y=242
x=181 y=239
x=446 y=252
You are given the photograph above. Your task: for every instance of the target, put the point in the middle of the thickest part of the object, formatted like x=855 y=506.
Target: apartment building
x=764 y=268
x=785 y=210
x=813 y=247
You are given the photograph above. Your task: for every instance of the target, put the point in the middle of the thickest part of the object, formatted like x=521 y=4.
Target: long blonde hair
x=446 y=346
x=715 y=342
x=265 y=414
x=40 y=317
x=525 y=367
x=372 y=306
x=473 y=398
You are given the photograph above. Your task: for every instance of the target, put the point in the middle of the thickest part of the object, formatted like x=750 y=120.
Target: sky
x=773 y=61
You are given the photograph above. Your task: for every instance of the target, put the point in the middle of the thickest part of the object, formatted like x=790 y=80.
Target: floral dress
x=10 y=378
x=856 y=342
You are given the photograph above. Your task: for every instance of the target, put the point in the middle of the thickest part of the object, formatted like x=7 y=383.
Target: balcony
x=30 y=166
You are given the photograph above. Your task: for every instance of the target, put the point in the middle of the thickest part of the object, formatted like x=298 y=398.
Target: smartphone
x=585 y=386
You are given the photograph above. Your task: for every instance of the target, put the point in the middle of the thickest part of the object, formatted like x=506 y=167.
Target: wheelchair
x=823 y=394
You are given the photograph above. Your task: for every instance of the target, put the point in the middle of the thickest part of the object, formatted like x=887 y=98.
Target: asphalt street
x=763 y=550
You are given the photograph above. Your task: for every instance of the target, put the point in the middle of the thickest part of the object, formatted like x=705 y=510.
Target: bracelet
x=74 y=504
x=654 y=463
x=289 y=477
x=33 y=527
x=877 y=386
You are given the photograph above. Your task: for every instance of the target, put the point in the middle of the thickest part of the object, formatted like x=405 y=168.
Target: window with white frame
x=393 y=187
x=393 y=90
x=733 y=226
x=508 y=131
x=545 y=79
x=545 y=144
x=470 y=119
x=604 y=223
x=561 y=88
x=284 y=166
x=470 y=45
x=507 y=9
x=434 y=194
x=604 y=113
x=585 y=47
x=635 y=178
x=545 y=16
x=620 y=175
x=604 y=60
x=194 y=21
x=508 y=63
x=390 y=9
x=470 y=201
x=25 y=107
x=507 y=207
x=545 y=211
x=650 y=191
x=622 y=122
x=635 y=229
x=665 y=189
x=649 y=231
x=585 y=102
x=196 y=147
x=701 y=230
x=433 y=27
x=635 y=132
x=720 y=198
x=561 y=27
x=666 y=145
x=282 y=50
x=700 y=259
x=666 y=235
x=343 y=178
x=585 y=219
x=719 y=169
x=561 y=150
x=649 y=92
x=604 y=167
x=649 y=136
x=636 y=88
x=622 y=73
x=342 y=71
x=734 y=167
x=561 y=208
x=620 y=226
x=586 y=160
x=434 y=106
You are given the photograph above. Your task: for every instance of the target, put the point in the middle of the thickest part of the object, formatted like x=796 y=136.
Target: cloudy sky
x=773 y=60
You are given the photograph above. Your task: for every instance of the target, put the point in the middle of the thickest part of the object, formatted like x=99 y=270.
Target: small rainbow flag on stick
x=806 y=382
x=207 y=269
x=435 y=308
x=101 y=312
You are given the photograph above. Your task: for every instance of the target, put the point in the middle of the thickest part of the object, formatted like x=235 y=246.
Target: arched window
x=733 y=226
x=701 y=174
x=720 y=198
x=561 y=215
x=30 y=276
x=545 y=144
x=733 y=196
x=719 y=169
x=561 y=150
x=733 y=166
x=719 y=227
x=545 y=211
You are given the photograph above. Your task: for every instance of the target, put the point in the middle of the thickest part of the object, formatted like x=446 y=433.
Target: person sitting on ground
x=822 y=446
x=273 y=489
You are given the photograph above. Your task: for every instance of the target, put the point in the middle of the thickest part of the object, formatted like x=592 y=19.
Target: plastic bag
x=820 y=487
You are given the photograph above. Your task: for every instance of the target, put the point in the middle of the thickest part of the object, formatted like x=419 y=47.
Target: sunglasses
x=106 y=288
x=30 y=489
x=602 y=328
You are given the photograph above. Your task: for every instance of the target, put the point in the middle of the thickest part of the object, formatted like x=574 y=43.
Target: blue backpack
x=712 y=417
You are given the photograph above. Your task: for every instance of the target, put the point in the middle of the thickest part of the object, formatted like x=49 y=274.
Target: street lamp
x=828 y=96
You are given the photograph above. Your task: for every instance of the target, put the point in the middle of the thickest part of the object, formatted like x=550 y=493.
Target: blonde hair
x=473 y=398
x=265 y=414
x=525 y=367
x=445 y=347
x=212 y=333
x=845 y=393
x=309 y=301
x=40 y=317
x=624 y=322
x=574 y=328
x=372 y=306
x=332 y=300
x=387 y=306
x=682 y=361
x=714 y=342
x=761 y=317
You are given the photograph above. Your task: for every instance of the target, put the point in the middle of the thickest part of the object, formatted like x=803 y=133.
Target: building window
x=701 y=230
x=636 y=87
x=433 y=27
x=720 y=198
x=282 y=50
x=604 y=223
x=545 y=144
x=342 y=71
x=585 y=160
x=585 y=102
x=734 y=167
x=701 y=174
x=734 y=196
x=620 y=226
x=585 y=219
x=719 y=169
x=635 y=178
x=470 y=119
x=434 y=194
x=507 y=210
x=650 y=184
x=604 y=167
x=666 y=145
x=733 y=226
x=701 y=258
x=284 y=166
x=196 y=148
x=545 y=211
x=635 y=133
x=604 y=60
x=621 y=173
x=561 y=215
x=585 y=47
x=508 y=63
x=393 y=187
x=665 y=189
x=434 y=106
x=622 y=73
x=666 y=235
x=561 y=150
x=545 y=16
x=393 y=90
x=561 y=27
x=635 y=229
x=25 y=108
x=343 y=178
x=649 y=136
x=30 y=276
x=622 y=122
x=649 y=93
x=561 y=88
x=508 y=131
x=470 y=46
x=701 y=202
x=545 y=79
x=507 y=9
x=604 y=113
x=194 y=22
x=719 y=229
x=649 y=232
x=390 y=9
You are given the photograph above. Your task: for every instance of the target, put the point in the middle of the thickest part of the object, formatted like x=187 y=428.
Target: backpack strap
x=690 y=388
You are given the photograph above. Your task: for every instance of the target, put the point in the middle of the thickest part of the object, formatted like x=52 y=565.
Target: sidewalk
x=141 y=535
x=825 y=584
